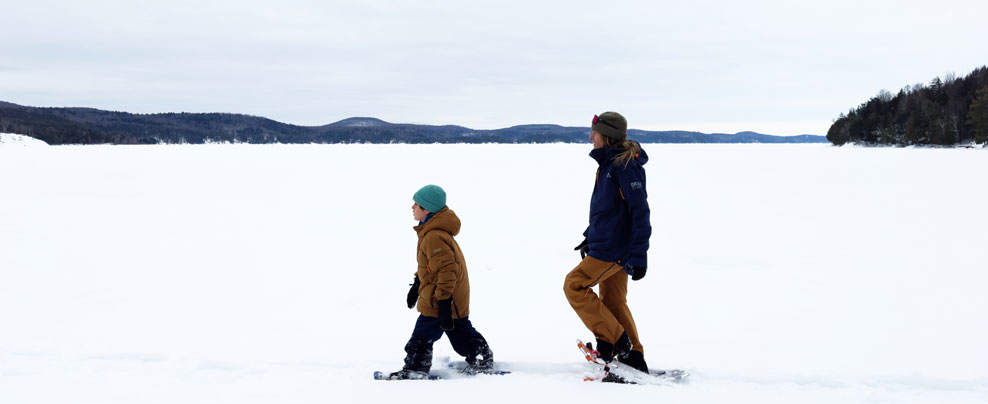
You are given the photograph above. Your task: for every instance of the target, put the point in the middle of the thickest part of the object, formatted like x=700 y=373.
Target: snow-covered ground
x=277 y=274
x=12 y=139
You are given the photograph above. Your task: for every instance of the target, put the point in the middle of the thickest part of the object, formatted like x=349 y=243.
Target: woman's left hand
x=636 y=272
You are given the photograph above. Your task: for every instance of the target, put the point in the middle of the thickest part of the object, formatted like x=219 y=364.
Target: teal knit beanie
x=431 y=198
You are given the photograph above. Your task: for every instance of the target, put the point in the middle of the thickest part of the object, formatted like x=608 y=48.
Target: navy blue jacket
x=619 y=216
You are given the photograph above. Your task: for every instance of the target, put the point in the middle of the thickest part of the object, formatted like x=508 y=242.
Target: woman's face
x=418 y=213
x=597 y=139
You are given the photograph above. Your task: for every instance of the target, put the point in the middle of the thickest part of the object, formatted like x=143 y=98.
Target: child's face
x=418 y=213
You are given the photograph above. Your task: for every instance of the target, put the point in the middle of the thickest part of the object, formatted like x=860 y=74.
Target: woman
x=615 y=243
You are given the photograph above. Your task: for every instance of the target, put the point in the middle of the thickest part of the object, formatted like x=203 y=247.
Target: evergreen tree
x=977 y=115
x=838 y=133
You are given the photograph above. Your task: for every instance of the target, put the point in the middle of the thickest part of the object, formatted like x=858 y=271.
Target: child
x=441 y=290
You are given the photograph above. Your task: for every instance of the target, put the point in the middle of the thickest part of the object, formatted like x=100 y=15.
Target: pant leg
x=418 y=350
x=614 y=294
x=578 y=288
x=468 y=342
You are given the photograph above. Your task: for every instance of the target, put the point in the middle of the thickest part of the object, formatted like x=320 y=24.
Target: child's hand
x=413 y=293
x=446 y=314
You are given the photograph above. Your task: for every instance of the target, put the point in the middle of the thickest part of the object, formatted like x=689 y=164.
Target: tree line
x=92 y=126
x=949 y=111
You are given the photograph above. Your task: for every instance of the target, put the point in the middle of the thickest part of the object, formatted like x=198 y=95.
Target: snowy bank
x=12 y=139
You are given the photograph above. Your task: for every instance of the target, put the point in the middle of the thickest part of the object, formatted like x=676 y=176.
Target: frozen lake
x=277 y=273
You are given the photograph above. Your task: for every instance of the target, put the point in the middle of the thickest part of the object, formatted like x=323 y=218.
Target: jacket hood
x=605 y=154
x=642 y=156
x=445 y=220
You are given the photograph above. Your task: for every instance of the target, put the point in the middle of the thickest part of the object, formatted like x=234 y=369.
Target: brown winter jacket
x=442 y=270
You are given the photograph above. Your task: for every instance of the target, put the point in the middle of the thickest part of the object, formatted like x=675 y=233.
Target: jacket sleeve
x=632 y=183
x=442 y=261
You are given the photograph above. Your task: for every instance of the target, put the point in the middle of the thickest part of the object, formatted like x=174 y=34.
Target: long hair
x=629 y=149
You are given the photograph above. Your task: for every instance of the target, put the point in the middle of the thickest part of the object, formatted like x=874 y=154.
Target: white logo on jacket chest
x=636 y=185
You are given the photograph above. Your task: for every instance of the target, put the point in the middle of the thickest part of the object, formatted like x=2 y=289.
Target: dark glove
x=583 y=248
x=413 y=292
x=446 y=314
x=636 y=272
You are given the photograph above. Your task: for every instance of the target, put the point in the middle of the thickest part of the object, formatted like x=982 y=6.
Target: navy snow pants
x=466 y=341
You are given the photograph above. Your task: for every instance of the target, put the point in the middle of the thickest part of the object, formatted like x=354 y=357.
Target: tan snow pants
x=607 y=316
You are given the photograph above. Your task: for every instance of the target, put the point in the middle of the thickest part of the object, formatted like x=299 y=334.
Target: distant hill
x=93 y=126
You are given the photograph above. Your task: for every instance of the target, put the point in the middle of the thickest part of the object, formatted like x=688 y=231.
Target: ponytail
x=629 y=149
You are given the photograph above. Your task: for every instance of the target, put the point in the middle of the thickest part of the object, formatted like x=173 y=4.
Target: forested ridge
x=93 y=126
x=948 y=111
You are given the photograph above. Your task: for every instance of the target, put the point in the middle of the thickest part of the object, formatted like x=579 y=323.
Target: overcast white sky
x=776 y=67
